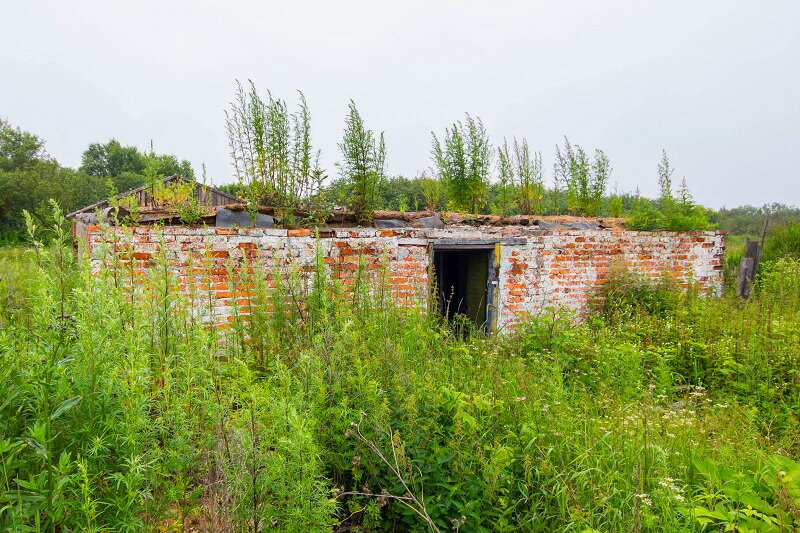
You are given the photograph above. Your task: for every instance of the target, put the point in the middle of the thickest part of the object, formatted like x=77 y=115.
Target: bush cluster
x=323 y=407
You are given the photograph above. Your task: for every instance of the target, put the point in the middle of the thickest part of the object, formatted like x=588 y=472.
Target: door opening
x=462 y=279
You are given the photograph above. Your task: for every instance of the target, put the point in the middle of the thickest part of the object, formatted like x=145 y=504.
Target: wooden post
x=747 y=268
x=750 y=260
x=763 y=238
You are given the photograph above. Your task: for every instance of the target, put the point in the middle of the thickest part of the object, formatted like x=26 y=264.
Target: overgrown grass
x=325 y=408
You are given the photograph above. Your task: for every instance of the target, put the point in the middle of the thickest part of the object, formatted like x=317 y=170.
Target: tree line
x=274 y=162
x=30 y=177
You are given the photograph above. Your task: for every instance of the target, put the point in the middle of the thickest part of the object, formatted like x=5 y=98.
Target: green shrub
x=671 y=212
x=626 y=294
x=783 y=242
x=325 y=407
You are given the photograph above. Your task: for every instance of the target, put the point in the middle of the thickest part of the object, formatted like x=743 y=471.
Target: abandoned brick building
x=493 y=271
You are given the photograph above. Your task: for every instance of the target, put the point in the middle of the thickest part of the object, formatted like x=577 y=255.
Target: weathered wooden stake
x=747 y=268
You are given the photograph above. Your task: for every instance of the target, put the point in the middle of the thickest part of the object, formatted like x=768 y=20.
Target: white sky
x=717 y=84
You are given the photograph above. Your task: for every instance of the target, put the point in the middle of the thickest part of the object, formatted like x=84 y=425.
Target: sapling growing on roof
x=464 y=162
x=363 y=165
x=271 y=150
x=583 y=178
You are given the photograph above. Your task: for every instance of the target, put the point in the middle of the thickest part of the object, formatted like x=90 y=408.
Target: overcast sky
x=716 y=84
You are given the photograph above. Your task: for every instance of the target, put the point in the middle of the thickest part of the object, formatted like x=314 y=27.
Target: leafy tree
x=167 y=165
x=616 y=203
x=127 y=181
x=395 y=193
x=29 y=178
x=585 y=180
x=19 y=150
x=32 y=188
x=337 y=191
x=464 y=162
x=749 y=220
x=784 y=241
x=112 y=159
x=401 y=194
x=363 y=164
x=271 y=149
x=128 y=168
x=616 y=206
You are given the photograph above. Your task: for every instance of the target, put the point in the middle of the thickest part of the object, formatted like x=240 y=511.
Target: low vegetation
x=324 y=408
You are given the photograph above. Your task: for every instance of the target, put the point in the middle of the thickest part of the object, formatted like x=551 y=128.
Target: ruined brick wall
x=216 y=262
x=537 y=268
x=564 y=268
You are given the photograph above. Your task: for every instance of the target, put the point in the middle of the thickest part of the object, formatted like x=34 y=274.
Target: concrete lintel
x=412 y=242
x=511 y=241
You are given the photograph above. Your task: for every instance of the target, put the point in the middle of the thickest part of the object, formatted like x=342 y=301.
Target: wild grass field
x=660 y=411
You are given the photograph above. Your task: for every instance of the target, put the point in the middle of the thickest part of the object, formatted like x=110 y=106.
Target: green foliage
x=129 y=204
x=464 y=162
x=32 y=187
x=507 y=181
x=431 y=190
x=19 y=150
x=363 y=165
x=163 y=165
x=326 y=407
x=749 y=220
x=521 y=174
x=29 y=178
x=271 y=150
x=399 y=193
x=782 y=242
x=625 y=295
x=616 y=208
x=396 y=193
x=584 y=180
x=112 y=159
x=765 y=500
x=672 y=212
x=646 y=216
x=119 y=411
x=666 y=199
x=128 y=167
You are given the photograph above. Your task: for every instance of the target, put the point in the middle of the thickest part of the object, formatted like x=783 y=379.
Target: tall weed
x=322 y=406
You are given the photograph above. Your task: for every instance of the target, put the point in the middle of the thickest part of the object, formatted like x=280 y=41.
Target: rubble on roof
x=236 y=215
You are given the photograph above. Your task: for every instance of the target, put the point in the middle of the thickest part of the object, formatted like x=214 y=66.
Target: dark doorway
x=462 y=283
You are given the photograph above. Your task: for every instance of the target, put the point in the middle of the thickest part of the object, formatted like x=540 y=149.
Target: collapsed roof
x=237 y=215
x=207 y=196
x=226 y=210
